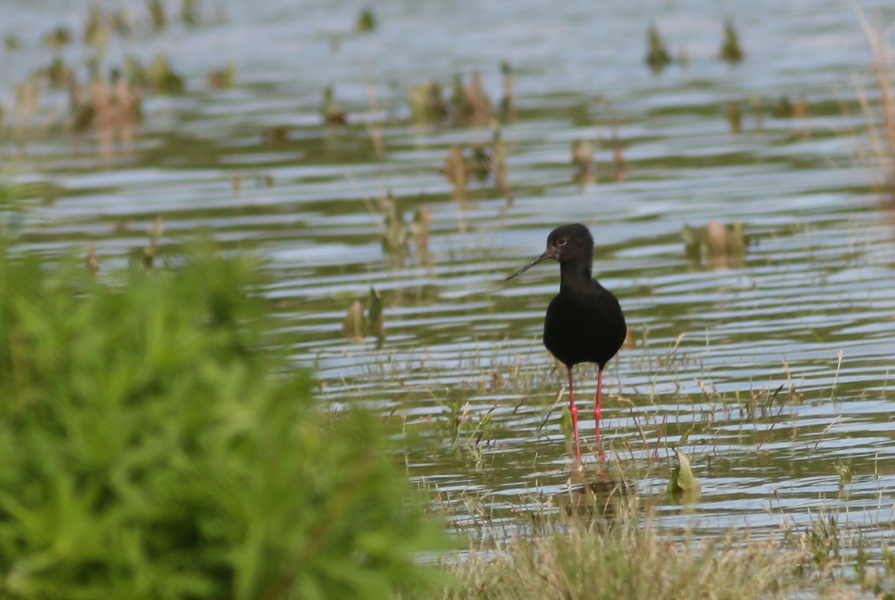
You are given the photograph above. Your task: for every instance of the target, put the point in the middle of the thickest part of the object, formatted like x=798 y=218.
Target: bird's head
x=565 y=243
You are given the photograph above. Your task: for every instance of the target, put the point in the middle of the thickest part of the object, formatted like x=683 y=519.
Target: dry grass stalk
x=583 y=155
x=618 y=157
x=883 y=143
x=508 y=103
x=625 y=558
x=498 y=164
x=457 y=171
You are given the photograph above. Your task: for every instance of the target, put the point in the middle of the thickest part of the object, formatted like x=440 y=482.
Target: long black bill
x=539 y=259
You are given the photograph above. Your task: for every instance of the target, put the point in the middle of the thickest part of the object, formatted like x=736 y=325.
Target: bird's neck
x=574 y=274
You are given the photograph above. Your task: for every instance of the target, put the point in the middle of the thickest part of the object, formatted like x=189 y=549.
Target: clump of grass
x=332 y=112
x=657 y=56
x=224 y=78
x=457 y=170
x=625 y=558
x=105 y=103
x=356 y=327
x=157 y=14
x=471 y=105
x=841 y=556
x=366 y=20
x=162 y=77
x=426 y=102
x=730 y=50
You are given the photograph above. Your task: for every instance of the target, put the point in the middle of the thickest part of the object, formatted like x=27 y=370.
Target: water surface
x=772 y=372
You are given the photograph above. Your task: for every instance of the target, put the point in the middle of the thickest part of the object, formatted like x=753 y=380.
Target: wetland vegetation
x=298 y=404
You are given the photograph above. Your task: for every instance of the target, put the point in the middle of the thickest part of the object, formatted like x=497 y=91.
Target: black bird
x=584 y=321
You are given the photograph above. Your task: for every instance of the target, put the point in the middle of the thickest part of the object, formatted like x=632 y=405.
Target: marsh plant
x=731 y=51
x=657 y=56
x=602 y=539
x=620 y=554
x=154 y=445
x=882 y=134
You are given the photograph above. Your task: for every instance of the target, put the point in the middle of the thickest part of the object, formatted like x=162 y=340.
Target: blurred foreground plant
x=153 y=446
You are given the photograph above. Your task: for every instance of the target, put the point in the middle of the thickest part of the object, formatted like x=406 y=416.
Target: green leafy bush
x=153 y=445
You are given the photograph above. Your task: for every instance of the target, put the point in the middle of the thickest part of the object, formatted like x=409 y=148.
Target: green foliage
x=683 y=482
x=13 y=208
x=151 y=446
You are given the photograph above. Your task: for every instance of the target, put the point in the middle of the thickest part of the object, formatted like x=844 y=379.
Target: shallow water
x=771 y=372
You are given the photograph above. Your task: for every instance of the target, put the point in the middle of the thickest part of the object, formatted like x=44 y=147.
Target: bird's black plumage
x=584 y=322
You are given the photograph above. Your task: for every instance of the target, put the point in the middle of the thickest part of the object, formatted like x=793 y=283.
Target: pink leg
x=573 y=409
x=598 y=414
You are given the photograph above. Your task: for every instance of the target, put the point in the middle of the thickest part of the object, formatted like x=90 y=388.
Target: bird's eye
x=561 y=242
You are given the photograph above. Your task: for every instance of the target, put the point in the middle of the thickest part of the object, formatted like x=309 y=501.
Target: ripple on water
x=769 y=372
